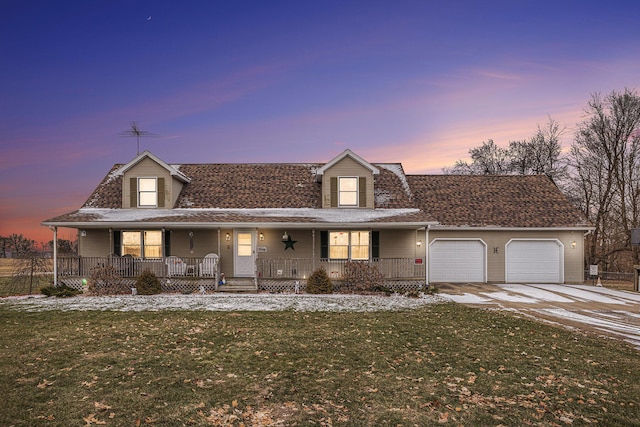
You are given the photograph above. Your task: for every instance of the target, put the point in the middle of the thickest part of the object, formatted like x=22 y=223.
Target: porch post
x=426 y=255
x=313 y=250
x=255 y=258
x=219 y=234
x=55 y=255
x=164 y=254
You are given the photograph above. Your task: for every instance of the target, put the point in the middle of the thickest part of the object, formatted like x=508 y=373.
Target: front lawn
x=443 y=364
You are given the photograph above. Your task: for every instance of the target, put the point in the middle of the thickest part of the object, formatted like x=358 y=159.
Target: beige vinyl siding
x=96 y=243
x=400 y=244
x=573 y=264
x=204 y=242
x=147 y=168
x=275 y=248
x=350 y=168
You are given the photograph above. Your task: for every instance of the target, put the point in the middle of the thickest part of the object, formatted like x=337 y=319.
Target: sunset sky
x=417 y=82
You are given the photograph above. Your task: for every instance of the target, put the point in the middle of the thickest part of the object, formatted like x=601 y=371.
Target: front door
x=245 y=256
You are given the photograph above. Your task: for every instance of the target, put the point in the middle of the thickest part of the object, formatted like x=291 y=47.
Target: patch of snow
x=220 y=302
x=396 y=168
x=504 y=296
x=634 y=296
x=382 y=197
x=539 y=294
x=628 y=332
x=580 y=293
x=320 y=215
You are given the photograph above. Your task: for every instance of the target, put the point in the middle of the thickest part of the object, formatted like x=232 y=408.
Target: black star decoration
x=289 y=243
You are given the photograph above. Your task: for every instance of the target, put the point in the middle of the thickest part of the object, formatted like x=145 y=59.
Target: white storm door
x=245 y=256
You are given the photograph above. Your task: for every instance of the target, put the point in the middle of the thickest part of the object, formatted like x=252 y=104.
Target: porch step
x=238 y=286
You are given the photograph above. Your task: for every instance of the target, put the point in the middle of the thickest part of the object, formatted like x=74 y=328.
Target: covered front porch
x=270 y=274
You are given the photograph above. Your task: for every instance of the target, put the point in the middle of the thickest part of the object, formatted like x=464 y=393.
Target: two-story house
x=274 y=224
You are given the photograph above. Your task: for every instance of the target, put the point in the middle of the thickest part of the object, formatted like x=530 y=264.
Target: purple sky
x=418 y=82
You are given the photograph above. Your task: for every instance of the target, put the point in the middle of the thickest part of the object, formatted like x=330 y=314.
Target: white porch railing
x=278 y=268
x=301 y=268
x=130 y=267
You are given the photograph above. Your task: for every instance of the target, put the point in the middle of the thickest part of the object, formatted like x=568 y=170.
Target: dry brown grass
x=7 y=266
x=444 y=364
x=622 y=285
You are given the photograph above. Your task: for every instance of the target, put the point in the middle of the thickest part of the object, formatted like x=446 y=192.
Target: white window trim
x=350 y=245
x=143 y=243
x=155 y=205
x=357 y=192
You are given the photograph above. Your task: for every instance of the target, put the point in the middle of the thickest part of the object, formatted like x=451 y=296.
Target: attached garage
x=457 y=260
x=534 y=261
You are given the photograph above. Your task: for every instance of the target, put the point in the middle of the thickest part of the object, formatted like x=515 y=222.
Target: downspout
x=426 y=255
x=55 y=255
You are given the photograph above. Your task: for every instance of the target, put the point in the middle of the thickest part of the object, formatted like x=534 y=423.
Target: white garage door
x=457 y=261
x=535 y=261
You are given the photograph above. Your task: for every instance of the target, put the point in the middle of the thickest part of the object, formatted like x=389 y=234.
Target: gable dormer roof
x=147 y=154
x=346 y=153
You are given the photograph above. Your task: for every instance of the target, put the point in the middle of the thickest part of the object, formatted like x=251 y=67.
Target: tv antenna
x=135 y=131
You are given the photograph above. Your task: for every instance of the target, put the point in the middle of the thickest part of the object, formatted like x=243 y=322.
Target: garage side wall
x=496 y=242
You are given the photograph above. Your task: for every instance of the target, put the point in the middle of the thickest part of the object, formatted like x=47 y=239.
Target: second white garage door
x=534 y=261
x=457 y=261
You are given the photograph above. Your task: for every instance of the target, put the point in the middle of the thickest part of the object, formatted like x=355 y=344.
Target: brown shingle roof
x=250 y=186
x=227 y=193
x=494 y=200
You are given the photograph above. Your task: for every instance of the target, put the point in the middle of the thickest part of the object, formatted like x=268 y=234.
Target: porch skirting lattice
x=399 y=285
x=174 y=285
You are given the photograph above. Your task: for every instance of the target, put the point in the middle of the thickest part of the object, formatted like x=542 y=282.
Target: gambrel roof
x=270 y=194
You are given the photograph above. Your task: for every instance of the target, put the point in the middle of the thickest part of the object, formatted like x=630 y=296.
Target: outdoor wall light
x=573 y=244
x=419 y=243
x=83 y=233
x=285 y=236
x=261 y=236
x=227 y=237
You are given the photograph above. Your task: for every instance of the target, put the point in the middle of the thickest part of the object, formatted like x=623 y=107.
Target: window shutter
x=362 y=190
x=133 y=187
x=167 y=243
x=375 y=244
x=117 y=245
x=324 y=244
x=334 y=192
x=161 y=192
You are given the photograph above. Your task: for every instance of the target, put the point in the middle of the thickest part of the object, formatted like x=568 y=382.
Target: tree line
x=599 y=172
x=19 y=246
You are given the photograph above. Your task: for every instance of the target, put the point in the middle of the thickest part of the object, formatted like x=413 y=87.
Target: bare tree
x=64 y=246
x=605 y=178
x=18 y=245
x=488 y=159
x=540 y=154
x=30 y=272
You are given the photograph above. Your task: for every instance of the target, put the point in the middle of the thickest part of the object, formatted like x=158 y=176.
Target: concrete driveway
x=596 y=309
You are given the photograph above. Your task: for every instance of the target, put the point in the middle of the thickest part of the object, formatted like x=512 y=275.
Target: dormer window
x=348 y=191
x=147 y=192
